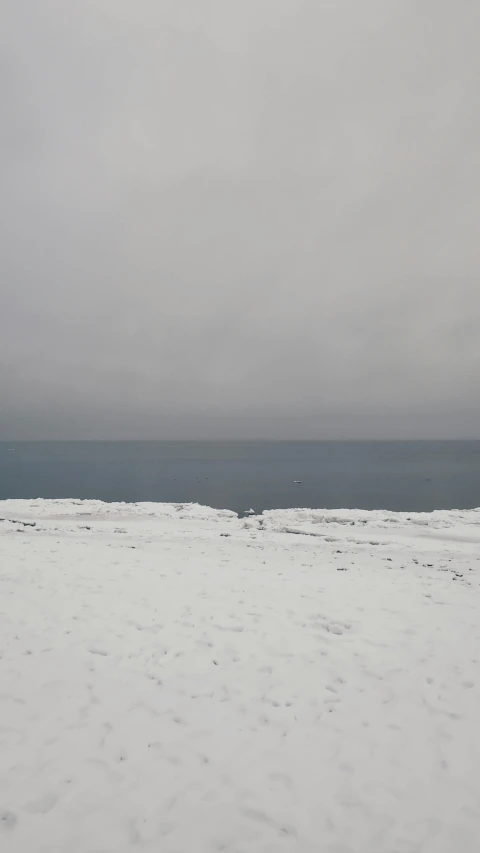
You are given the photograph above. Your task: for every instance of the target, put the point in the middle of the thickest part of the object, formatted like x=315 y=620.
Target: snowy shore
x=176 y=679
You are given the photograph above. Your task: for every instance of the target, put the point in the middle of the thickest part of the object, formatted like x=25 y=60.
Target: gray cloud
x=243 y=219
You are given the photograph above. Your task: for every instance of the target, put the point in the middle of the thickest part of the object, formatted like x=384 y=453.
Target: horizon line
x=229 y=440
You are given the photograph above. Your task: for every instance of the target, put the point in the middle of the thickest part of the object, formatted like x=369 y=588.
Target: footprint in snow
x=336 y=629
x=8 y=820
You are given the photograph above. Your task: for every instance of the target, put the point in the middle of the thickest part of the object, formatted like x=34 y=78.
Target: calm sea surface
x=405 y=476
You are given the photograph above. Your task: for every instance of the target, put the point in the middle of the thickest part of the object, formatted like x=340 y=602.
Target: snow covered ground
x=178 y=680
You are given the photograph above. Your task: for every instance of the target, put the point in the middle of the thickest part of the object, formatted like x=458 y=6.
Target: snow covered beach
x=176 y=679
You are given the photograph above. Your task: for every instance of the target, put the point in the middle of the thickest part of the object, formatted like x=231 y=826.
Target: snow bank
x=175 y=678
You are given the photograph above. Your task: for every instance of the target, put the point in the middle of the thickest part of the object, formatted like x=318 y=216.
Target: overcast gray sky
x=239 y=218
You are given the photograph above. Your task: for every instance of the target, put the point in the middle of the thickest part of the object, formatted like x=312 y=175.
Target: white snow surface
x=179 y=680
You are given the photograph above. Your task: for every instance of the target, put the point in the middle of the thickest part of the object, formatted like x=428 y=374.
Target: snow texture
x=175 y=679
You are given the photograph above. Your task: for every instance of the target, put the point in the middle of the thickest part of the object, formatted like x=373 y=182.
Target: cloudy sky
x=239 y=218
